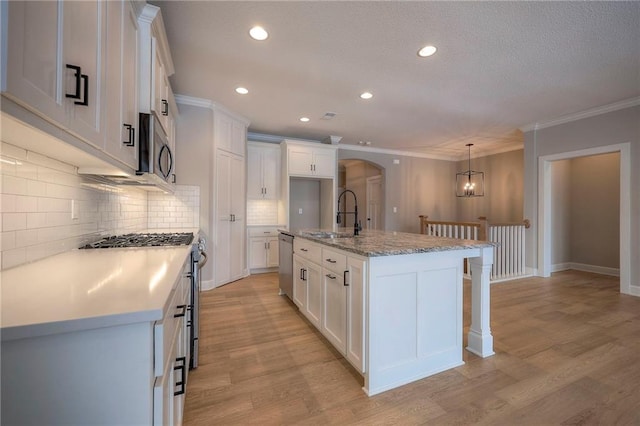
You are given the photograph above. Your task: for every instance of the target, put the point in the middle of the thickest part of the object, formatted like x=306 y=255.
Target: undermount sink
x=327 y=234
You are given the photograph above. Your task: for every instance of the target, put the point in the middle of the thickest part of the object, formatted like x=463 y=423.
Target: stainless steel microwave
x=154 y=155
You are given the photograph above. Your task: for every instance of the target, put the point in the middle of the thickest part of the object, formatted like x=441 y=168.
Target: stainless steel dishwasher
x=285 y=272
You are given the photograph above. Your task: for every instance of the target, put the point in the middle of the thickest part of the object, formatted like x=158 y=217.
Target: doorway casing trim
x=544 y=210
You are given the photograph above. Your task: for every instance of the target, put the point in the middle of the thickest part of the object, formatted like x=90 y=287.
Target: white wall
x=415 y=186
x=503 y=199
x=611 y=128
x=595 y=210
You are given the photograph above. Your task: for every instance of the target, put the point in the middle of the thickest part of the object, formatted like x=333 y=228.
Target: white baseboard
x=634 y=290
x=558 y=267
x=602 y=270
x=207 y=285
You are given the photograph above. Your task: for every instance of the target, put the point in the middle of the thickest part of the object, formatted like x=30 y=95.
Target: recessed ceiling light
x=242 y=90
x=366 y=95
x=427 y=51
x=304 y=119
x=258 y=33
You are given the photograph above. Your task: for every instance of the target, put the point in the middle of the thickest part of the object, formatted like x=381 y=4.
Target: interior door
x=237 y=210
x=374 y=202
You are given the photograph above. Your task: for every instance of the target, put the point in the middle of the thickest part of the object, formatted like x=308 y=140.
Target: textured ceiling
x=499 y=66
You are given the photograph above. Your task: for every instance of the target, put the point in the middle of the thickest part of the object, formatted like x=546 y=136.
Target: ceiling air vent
x=328 y=115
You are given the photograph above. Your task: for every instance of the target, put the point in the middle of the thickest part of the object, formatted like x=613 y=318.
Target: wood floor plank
x=567 y=353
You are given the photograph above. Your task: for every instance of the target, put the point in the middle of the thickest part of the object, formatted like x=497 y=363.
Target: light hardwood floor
x=567 y=353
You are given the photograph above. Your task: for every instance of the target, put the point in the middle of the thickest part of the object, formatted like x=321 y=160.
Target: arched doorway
x=366 y=180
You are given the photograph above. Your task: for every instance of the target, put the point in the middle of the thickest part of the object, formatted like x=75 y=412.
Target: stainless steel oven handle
x=202 y=263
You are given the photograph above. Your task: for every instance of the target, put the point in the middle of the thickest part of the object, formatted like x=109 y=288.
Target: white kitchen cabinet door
x=238 y=210
x=33 y=75
x=38 y=65
x=161 y=89
x=84 y=46
x=311 y=161
x=263 y=172
x=257 y=253
x=238 y=143
x=300 y=160
x=230 y=218
x=263 y=252
x=356 y=278
x=271 y=173
x=299 y=283
x=230 y=134
x=334 y=315
x=255 y=187
x=313 y=308
x=273 y=252
x=121 y=96
x=324 y=163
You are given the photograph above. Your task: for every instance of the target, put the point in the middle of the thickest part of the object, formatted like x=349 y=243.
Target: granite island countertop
x=374 y=243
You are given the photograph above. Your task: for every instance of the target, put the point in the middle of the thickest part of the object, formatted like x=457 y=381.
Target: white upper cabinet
x=76 y=64
x=263 y=171
x=55 y=63
x=306 y=160
x=230 y=134
x=121 y=82
x=156 y=66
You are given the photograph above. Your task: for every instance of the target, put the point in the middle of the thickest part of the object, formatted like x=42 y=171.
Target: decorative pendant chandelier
x=470 y=183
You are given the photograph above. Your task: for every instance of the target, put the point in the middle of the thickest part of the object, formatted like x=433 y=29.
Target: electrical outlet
x=299 y=211
x=74 y=210
x=396 y=161
x=395 y=210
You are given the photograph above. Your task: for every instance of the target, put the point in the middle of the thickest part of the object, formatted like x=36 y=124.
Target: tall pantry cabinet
x=229 y=209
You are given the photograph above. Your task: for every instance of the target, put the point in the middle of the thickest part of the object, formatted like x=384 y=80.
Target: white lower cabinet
x=332 y=296
x=263 y=248
x=356 y=277
x=125 y=374
x=334 y=318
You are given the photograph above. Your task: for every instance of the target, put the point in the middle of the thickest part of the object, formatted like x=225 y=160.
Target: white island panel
x=415 y=318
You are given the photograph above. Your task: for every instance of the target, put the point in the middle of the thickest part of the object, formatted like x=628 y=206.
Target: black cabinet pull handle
x=77 y=74
x=331 y=277
x=304 y=275
x=165 y=107
x=301 y=272
x=85 y=102
x=174 y=178
x=344 y=278
x=303 y=249
x=131 y=130
x=182 y=369
x=330 y=260
x=183 y=313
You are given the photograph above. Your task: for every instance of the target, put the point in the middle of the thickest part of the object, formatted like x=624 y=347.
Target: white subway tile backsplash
x=36 y=194
x=13 y=185
x=179 y=210
x=262 y=212
x=13 y=221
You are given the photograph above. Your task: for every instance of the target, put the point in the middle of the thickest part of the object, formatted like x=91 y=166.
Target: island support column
x=480 y=340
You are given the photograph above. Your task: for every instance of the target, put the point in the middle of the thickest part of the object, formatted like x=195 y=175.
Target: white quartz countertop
x=372 y=243
x=85 y=289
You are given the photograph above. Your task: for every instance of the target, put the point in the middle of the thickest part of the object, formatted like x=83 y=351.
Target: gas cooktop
x=143 y=240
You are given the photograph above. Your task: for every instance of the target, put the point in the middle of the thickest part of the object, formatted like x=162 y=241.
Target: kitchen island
x=392 y=302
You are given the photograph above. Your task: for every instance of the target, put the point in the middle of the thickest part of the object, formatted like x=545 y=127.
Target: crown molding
x=262 y=137
x=627 y=103
x=209 y=104
x=397 y=152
